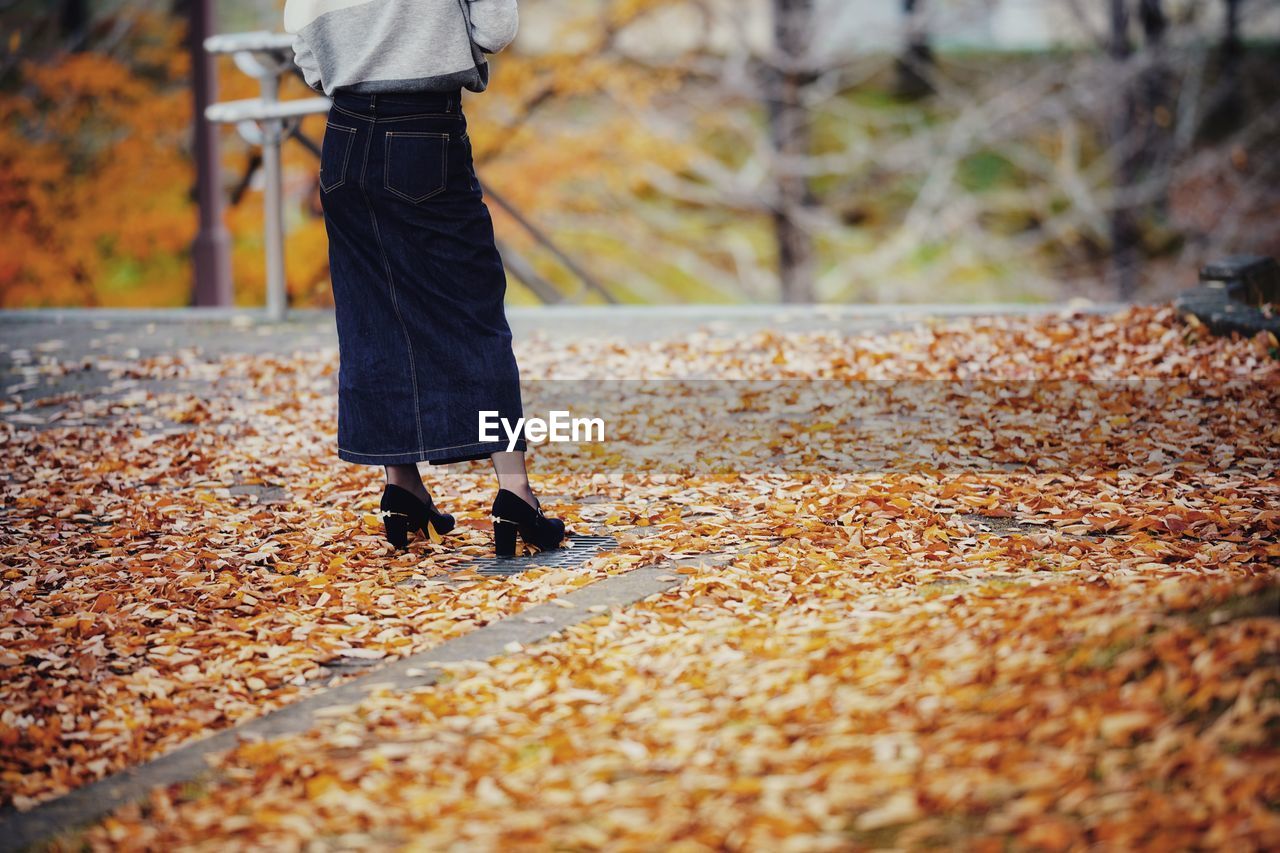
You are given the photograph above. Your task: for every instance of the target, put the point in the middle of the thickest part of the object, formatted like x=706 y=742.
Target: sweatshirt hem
x=468 y=78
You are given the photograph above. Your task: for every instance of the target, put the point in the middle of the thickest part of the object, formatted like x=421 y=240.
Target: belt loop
x=373 y=103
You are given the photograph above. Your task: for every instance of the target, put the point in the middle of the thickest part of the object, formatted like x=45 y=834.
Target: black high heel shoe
x=403 y=511
x=511 y=515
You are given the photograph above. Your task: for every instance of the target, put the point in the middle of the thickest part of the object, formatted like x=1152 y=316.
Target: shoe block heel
x=396 y=527
x=504 y=538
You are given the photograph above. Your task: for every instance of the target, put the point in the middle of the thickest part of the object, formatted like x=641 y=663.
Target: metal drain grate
x=574 y=553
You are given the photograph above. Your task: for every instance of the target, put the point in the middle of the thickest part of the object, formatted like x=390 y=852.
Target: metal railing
x=265 y=121
x=268 y=122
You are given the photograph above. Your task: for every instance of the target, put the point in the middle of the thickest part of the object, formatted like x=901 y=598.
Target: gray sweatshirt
x=398 y=45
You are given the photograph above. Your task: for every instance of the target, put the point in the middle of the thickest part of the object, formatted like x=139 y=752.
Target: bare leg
x=408 y=478
x=512 y=476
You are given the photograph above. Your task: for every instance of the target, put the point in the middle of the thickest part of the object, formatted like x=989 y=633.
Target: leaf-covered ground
x=987 y=581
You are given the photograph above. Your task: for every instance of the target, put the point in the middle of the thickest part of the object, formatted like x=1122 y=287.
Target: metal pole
x=210 y=252
x=538 y=234
x=273 y=200
x=525 y=273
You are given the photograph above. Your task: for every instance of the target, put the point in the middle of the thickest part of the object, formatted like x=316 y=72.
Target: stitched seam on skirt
x=432 y=450
x=395 y=303
x=444 y=164
x=346 y=159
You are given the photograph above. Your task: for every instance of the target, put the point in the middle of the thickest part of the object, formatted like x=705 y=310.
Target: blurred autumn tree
x=94 y=176
x=699 y=150
x=721 y=150
x=96 y=195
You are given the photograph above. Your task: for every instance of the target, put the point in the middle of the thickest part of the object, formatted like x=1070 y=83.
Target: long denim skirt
x=418 y=284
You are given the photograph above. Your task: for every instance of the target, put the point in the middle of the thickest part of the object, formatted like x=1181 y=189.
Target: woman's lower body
x=418 y=288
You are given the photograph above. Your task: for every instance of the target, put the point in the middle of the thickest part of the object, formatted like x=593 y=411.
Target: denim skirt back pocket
x=335 y=155
x=416 y=164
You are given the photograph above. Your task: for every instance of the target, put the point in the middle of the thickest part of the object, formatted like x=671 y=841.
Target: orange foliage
x=97 y=203
x=94 y=177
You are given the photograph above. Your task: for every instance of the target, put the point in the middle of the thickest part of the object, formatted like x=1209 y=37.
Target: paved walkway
x=189 y=763
x=48 y=356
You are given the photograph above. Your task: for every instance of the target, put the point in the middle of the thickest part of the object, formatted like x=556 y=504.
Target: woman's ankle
x=406 y=477
x=523 y=491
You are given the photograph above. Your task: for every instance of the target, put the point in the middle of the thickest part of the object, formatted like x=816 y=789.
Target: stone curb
x=702 y=312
